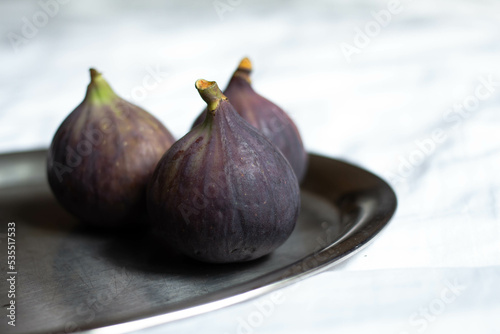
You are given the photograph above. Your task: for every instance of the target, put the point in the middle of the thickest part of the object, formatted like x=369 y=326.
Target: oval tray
x=72 y=279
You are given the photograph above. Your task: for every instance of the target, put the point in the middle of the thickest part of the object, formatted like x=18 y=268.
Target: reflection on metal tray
x=70 y=278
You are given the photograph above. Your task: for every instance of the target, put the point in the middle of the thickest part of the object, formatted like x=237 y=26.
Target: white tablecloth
x=407 y=89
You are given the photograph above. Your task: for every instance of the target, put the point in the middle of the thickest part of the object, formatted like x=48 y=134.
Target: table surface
x=406 y=89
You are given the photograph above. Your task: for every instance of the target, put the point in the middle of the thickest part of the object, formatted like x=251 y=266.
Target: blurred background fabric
x=409 y=90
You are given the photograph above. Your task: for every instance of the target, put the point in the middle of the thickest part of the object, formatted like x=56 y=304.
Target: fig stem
x=98 y=90
x=244 y=70
x=210 y=93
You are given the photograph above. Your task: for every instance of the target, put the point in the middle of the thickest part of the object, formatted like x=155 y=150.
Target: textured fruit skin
x=267 y=118
x=223 y=193
x=101 y=159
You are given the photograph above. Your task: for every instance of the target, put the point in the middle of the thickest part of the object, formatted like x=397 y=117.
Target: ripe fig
x=223 y=193
x=102 y=156
x=266 y=117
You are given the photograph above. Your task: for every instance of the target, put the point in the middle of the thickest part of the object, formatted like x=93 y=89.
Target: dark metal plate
x=69 y=278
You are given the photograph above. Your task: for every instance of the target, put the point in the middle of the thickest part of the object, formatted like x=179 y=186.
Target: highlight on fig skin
x=265 y=116
x=250 y=193
x=102 y=157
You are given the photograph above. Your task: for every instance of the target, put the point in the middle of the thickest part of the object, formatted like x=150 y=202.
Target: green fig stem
x=210 y=93
x=98 y=91
x=244 y=70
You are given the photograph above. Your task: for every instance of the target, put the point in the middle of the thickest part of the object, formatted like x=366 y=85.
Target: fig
x=266 y=117
x=223 y=192
x=102 y=157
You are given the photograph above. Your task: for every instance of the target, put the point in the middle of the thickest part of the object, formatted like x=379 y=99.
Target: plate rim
x=258 y=286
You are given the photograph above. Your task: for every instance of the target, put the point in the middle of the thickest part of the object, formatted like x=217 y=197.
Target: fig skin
x=266 y=117
x=102 y=157
x=223 y=193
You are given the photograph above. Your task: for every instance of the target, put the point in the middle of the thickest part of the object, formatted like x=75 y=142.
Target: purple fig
x=103 y=155
x=223 y=192
x=266 y=117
